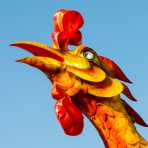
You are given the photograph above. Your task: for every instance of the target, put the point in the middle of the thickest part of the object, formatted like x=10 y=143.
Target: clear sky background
x=115 y=28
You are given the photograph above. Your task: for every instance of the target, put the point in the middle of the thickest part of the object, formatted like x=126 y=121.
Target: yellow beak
x=45 y=58
x=49 y=60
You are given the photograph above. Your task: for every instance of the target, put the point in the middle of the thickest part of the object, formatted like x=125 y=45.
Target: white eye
x=89 y=55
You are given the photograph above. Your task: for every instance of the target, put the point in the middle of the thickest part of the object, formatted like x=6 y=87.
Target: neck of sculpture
x=111 y=120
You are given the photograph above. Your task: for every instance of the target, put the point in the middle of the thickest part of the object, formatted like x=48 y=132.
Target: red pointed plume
x=128 y=93
x=66 y=28
x=134 y=114
x=113 y=69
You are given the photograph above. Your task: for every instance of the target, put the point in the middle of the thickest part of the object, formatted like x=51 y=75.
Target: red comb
x=66 y=28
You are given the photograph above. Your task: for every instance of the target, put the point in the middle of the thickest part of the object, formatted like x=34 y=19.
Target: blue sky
x=117 y=29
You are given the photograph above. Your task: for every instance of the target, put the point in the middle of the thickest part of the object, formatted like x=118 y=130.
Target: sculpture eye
x=89 y=55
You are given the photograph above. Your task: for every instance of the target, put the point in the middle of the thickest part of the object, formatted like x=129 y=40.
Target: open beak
x=49 y=60
x=44 y=58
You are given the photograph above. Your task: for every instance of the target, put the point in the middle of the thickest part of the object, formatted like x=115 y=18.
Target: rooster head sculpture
x=85 y=83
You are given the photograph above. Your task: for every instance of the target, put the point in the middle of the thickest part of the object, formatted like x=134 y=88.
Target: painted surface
x=134 y=43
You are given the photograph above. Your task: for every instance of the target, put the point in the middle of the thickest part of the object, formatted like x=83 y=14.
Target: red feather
x=128 y=93
x=113 y=69
x=134 y=114
x=72 y=21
